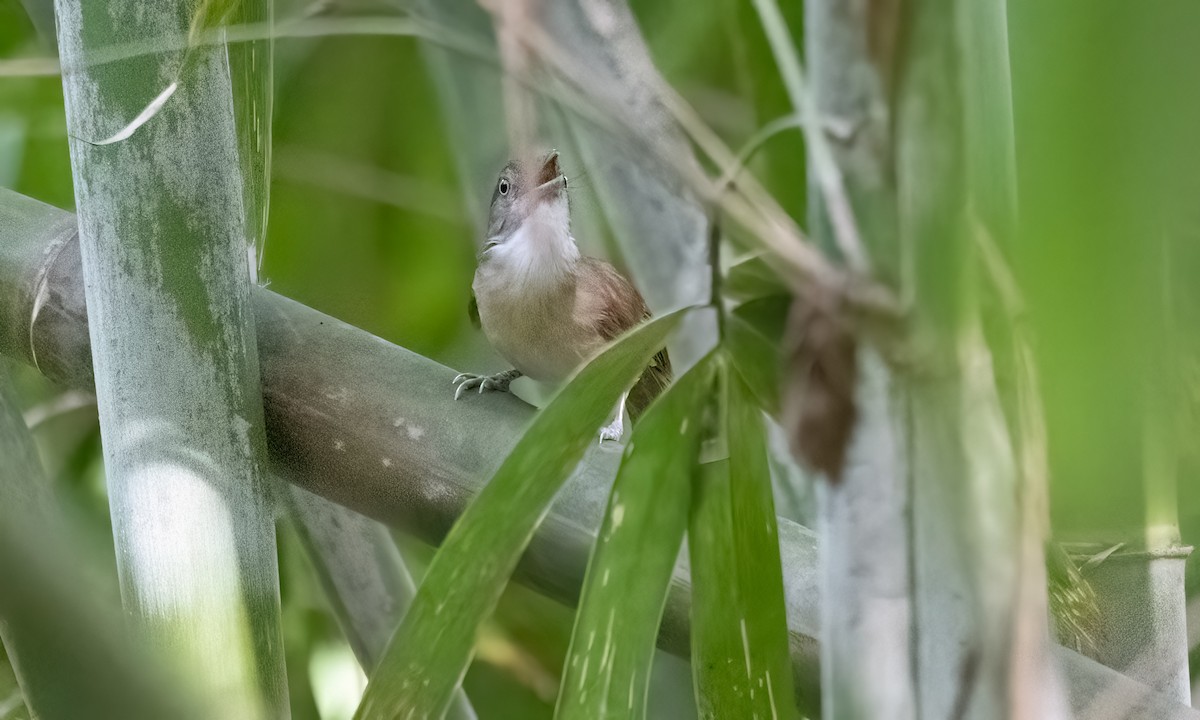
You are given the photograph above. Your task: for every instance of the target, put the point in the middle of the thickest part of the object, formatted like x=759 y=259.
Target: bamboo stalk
x=865 y=556
x=339 y=401
x=961 y=456
x=1017 y=629
x=162 y=235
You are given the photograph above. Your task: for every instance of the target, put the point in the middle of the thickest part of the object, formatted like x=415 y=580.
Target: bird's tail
x=655 y=378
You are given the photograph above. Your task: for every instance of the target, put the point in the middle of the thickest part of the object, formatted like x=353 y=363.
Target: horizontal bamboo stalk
x=374 y=427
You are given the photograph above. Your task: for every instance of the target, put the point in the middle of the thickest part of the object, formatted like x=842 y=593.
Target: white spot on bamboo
x=341 y=394
x=618 y=516
x=387 y=462
x=414 y=432
x=683 y=426
x=339 y=445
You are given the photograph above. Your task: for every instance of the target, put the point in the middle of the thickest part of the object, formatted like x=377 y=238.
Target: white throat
x=540 y=252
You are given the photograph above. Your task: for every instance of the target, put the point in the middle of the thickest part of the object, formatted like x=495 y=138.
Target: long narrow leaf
x=251 y=72
x=739 y=625
x=429 y=653
x=608 y=666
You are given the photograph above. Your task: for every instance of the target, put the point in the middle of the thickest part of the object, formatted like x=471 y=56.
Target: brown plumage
x=619 y=308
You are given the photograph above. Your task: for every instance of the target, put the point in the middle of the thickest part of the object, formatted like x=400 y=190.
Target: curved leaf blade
x=430 y=651
x=739 y=624
x=608 y=666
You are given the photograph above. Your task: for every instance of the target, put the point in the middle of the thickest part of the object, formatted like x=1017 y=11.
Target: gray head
x=523 y=190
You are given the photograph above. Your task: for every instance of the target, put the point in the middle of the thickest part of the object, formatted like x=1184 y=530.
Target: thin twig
x=802 y=264
x=749 y=204
x=825 y=168
x=714 y=266
x=369 y=182
x=756 y=141
x=515 y=60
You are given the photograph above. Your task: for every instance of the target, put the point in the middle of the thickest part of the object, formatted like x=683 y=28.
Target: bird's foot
x=613 y=431
x=484 y=383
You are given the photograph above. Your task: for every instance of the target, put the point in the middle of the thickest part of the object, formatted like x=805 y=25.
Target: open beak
x=549 y=178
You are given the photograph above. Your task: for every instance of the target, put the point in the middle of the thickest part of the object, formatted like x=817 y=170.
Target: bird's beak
x=549 y=178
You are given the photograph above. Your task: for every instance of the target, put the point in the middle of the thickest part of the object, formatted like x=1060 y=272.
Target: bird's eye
x=503 y=186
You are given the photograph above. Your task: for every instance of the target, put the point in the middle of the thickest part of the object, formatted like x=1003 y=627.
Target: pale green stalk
x=162 y=234
x=866 y=652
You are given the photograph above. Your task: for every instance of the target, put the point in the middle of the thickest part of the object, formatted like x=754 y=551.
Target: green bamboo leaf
x=608 y=666
x=251 y=72
x=739 y=625
x=753 y=277
x=756 y=359
x=768 y=315
x=430 y=652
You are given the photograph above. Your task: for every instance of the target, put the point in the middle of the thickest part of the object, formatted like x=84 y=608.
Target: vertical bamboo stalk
x=962 y=466
x=930 y=177
x=866 y=667
x=1016 y=608
x=167 y=283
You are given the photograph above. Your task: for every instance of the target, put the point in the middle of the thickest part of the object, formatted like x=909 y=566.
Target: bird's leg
x=616 y=428
x=498 y=382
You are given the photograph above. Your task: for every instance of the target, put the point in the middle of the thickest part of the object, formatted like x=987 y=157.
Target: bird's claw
x=483 y=383
x=613 y=431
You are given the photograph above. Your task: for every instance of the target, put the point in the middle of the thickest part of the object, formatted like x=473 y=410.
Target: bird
x=544 y=307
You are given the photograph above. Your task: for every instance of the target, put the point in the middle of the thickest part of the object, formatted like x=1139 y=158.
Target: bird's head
x=529 y=192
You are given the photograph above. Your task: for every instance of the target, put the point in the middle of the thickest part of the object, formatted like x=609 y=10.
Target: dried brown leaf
x=818 y=401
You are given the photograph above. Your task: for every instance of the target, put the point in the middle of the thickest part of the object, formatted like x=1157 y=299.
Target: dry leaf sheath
x=819 y=410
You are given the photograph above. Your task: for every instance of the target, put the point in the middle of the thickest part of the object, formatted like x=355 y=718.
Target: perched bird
x=544 y=307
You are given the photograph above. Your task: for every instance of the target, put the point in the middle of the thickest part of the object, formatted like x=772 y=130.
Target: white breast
x=525 y=289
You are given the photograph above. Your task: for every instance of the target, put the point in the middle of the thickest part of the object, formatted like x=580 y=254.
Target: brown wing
x=655 y=379
x=615 y=306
